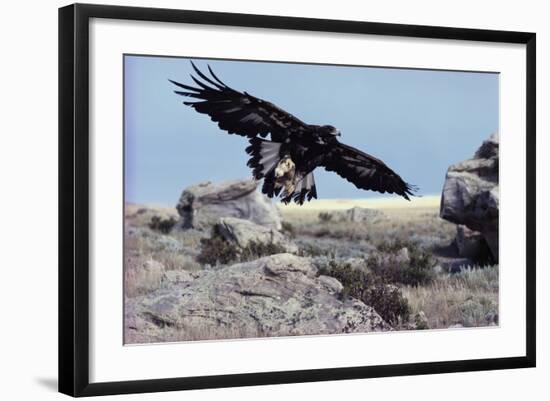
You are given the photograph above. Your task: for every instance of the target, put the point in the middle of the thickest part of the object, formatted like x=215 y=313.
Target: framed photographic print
x=250 y=199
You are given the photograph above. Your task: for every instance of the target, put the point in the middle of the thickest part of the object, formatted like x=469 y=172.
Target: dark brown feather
x=365 y=171
x=239 y=112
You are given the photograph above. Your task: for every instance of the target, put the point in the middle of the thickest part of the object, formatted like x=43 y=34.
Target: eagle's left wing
x=239 y=112
x=365 y=171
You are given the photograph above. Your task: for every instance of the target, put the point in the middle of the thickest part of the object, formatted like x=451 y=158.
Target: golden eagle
x=287 y=161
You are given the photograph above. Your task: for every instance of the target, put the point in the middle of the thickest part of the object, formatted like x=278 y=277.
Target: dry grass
x=149 y=254
x=141 y=276
x=192 y=331
x=140 y=216
x=417 y=221
x=468 y=298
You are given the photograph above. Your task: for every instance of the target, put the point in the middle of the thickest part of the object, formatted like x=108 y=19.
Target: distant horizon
x=374 y=199
x=419 y=122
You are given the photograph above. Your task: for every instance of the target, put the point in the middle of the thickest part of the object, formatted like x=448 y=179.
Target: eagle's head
x=329 y=130
x=327 y=134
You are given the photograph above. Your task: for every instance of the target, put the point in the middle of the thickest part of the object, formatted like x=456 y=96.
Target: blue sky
x=417 y=121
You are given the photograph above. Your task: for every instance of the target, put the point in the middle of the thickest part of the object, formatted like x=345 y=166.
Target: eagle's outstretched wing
x=365 y=171
x=236 y=112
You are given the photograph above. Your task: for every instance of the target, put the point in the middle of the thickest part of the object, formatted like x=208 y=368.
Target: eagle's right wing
x=237 y=112
x=365 y=171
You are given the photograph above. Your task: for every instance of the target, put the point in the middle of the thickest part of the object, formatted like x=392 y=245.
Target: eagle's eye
x=330 y=130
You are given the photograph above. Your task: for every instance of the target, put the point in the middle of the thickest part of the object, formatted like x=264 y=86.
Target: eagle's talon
x=285 y=167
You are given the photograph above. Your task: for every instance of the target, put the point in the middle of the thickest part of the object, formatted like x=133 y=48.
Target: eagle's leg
x=285 y=175
x=285 y=167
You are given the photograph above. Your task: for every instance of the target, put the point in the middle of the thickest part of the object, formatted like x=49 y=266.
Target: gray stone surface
x=470 y=244
x=242 y=232
x=278 y=295
x=357 y=215
x=361 y=214
x=471 y=193
x=202 y=205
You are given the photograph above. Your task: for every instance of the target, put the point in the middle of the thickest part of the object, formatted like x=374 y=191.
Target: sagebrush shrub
x=389 y=265
x=216 y=250
x=385 y=298
x=255 y=250
x=325 y=217
x=288 y=229
x=163 y=225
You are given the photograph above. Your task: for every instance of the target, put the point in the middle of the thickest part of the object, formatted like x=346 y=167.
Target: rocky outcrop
x=471 y=193
x=202 y=205
x=360 y=214
x=278 y=295
x=354 y=215
x=470 y=244
x=243 y=232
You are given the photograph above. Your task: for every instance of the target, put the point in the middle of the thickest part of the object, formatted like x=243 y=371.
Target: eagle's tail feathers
x=312 y=189
x=264 y=156
x=305 y=189
x=269 y=188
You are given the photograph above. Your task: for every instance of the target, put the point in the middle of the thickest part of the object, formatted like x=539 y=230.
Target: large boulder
x=243 y=232
x=202 y=205
x=471 y=193
x=360 y=215
x=471 y=244
x=278 y=295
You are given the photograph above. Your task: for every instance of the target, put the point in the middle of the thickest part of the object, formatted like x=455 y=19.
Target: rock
x=178 y=276
x=357 y=215
x=470 y=244
x=243 y=232
x=278 y=295
x=331 y=284
x=202 y=205
x=360 y=214
x=471 y=193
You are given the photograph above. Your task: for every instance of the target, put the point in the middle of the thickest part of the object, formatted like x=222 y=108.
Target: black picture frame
x=74 y=194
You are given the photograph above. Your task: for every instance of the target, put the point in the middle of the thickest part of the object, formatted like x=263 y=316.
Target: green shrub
x=394 y=246
x=325 y=217
x=255 y=250
x=216 y=250
x=322 y=233
x=311 y=250
x=288 y=229
x=392 y=269
x=385 y=298
x=355 y=281
x=163 y=225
